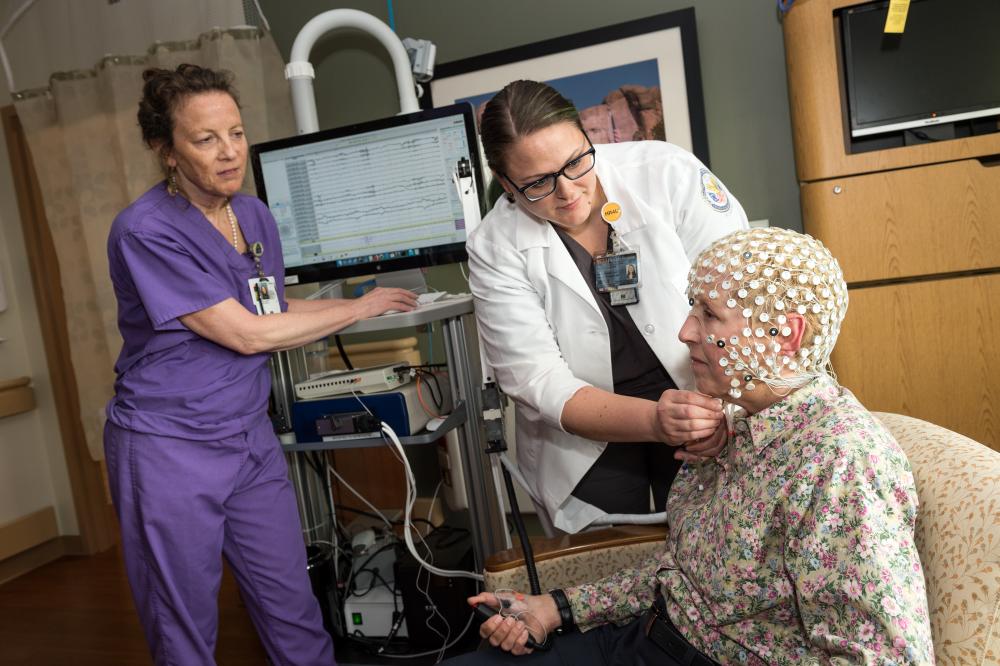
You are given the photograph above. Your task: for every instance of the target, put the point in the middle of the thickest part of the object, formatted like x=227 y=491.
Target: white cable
x=3 y=52
x=333 y=524
x=330 y=543
x=363 y=405
x=331 y=470
x=13 y=19
x=461 y=267
x=260 y=13
x=436 y=651
x=6 y=68
x=411 y=497
x=408 y=523
x=316 y=528
x=433 y=606
x=425 y=590
x=430 y=509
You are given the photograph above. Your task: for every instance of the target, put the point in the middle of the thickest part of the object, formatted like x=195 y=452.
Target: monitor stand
x=411 y=278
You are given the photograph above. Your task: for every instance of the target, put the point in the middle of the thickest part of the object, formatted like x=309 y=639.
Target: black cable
x=372 y=556
x=522 y=534
x=922 y=135
x=343 y=354
x=394 y=522
x=440 y=399
x=378 y=646
x=436 y=398
x=375 y=574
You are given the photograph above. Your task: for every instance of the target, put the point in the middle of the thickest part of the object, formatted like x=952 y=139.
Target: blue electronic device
x=400 y=409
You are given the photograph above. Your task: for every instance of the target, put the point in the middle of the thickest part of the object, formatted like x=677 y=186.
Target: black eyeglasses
x=576 y=168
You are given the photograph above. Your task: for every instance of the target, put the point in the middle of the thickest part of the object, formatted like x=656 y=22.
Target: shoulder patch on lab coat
x=712 y=192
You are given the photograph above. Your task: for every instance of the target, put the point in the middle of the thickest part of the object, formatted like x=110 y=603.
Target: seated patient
x=795 y=545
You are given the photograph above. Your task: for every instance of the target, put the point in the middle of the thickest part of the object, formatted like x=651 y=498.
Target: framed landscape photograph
x=630 y=81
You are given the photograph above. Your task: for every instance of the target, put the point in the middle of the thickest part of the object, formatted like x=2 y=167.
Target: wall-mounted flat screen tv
x=944 y=67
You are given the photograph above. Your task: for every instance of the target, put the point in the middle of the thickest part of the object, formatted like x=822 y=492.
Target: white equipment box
x=371 y=612
x=366 y=380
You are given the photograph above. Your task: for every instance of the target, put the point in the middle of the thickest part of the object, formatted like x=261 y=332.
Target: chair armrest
x=957 y=535
x=573 y=559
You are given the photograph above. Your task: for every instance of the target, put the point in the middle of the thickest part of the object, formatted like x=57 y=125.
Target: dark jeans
x=606 y=645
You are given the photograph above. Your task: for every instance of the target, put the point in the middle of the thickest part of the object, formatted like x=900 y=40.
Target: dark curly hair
x=522 y=107
x=165 y=89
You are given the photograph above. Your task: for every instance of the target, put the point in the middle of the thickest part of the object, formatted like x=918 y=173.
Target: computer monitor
x=385 y=195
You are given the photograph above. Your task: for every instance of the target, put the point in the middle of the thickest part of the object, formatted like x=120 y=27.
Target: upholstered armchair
x=958 y=536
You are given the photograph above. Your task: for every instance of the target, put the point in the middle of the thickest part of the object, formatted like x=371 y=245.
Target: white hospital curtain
x=91 y=163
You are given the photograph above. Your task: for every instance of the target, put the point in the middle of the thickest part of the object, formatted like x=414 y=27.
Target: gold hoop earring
x=172 y=188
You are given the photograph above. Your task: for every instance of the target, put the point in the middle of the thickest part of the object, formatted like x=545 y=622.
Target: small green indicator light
x=357 y=619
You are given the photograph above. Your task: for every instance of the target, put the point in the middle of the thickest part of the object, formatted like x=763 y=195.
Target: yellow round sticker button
x=611 y=211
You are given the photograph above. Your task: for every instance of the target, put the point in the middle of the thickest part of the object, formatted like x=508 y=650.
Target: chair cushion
x=958 y=537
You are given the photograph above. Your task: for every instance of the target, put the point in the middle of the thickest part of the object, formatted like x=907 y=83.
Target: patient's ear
x=792 y=342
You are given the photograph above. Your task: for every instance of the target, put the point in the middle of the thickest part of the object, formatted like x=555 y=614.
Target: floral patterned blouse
x=795 y=546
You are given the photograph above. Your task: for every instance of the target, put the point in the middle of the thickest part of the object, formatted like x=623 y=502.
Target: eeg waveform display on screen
x=381 y=196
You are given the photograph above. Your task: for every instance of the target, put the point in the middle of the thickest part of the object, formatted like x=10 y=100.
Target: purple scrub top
x=166 y=261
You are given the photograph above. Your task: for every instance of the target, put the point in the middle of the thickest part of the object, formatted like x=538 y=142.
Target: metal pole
x=485 y=520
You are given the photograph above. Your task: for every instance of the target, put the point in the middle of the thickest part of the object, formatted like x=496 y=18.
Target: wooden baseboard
x=39 y=555
x=16 y=396
x=27 y=532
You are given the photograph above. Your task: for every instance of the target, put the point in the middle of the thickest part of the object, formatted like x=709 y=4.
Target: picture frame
x=611 y=74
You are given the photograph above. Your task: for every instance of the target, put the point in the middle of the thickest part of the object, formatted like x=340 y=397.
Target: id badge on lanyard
x=263 y=289
x=617 y=272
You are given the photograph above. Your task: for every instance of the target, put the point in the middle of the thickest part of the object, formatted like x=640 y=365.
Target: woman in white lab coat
x=592 y=359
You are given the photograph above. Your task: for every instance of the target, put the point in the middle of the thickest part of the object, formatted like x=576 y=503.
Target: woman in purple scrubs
x=195 y=470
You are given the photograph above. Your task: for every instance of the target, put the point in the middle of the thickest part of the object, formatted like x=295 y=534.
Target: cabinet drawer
x=926 y=220
x=926 y=349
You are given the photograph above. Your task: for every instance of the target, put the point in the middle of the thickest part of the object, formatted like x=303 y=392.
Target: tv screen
x=944 y=67
x=381 y=196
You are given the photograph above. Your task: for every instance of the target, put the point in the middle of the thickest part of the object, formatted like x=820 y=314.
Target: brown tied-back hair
x=522 y=107
x=165 y=89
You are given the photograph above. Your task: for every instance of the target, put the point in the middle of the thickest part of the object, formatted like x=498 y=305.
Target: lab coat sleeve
x=706 y=210
x=517 y=337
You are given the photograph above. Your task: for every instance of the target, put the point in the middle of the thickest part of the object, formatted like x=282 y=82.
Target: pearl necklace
x=232 y=223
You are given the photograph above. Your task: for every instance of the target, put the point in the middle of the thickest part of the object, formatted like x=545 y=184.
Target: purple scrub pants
x=182 y=505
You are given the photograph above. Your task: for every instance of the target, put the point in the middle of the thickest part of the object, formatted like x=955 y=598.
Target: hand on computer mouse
x=383 y=299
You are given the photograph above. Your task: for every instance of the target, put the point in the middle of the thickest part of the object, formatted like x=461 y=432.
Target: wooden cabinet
x=917 y=232
x=928 y=349
x=941 y=218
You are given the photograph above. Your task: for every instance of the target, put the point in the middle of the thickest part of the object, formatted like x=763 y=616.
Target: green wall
x=742 y=71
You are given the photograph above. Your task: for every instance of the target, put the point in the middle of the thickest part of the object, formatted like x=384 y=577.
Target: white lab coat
x=542 y=331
